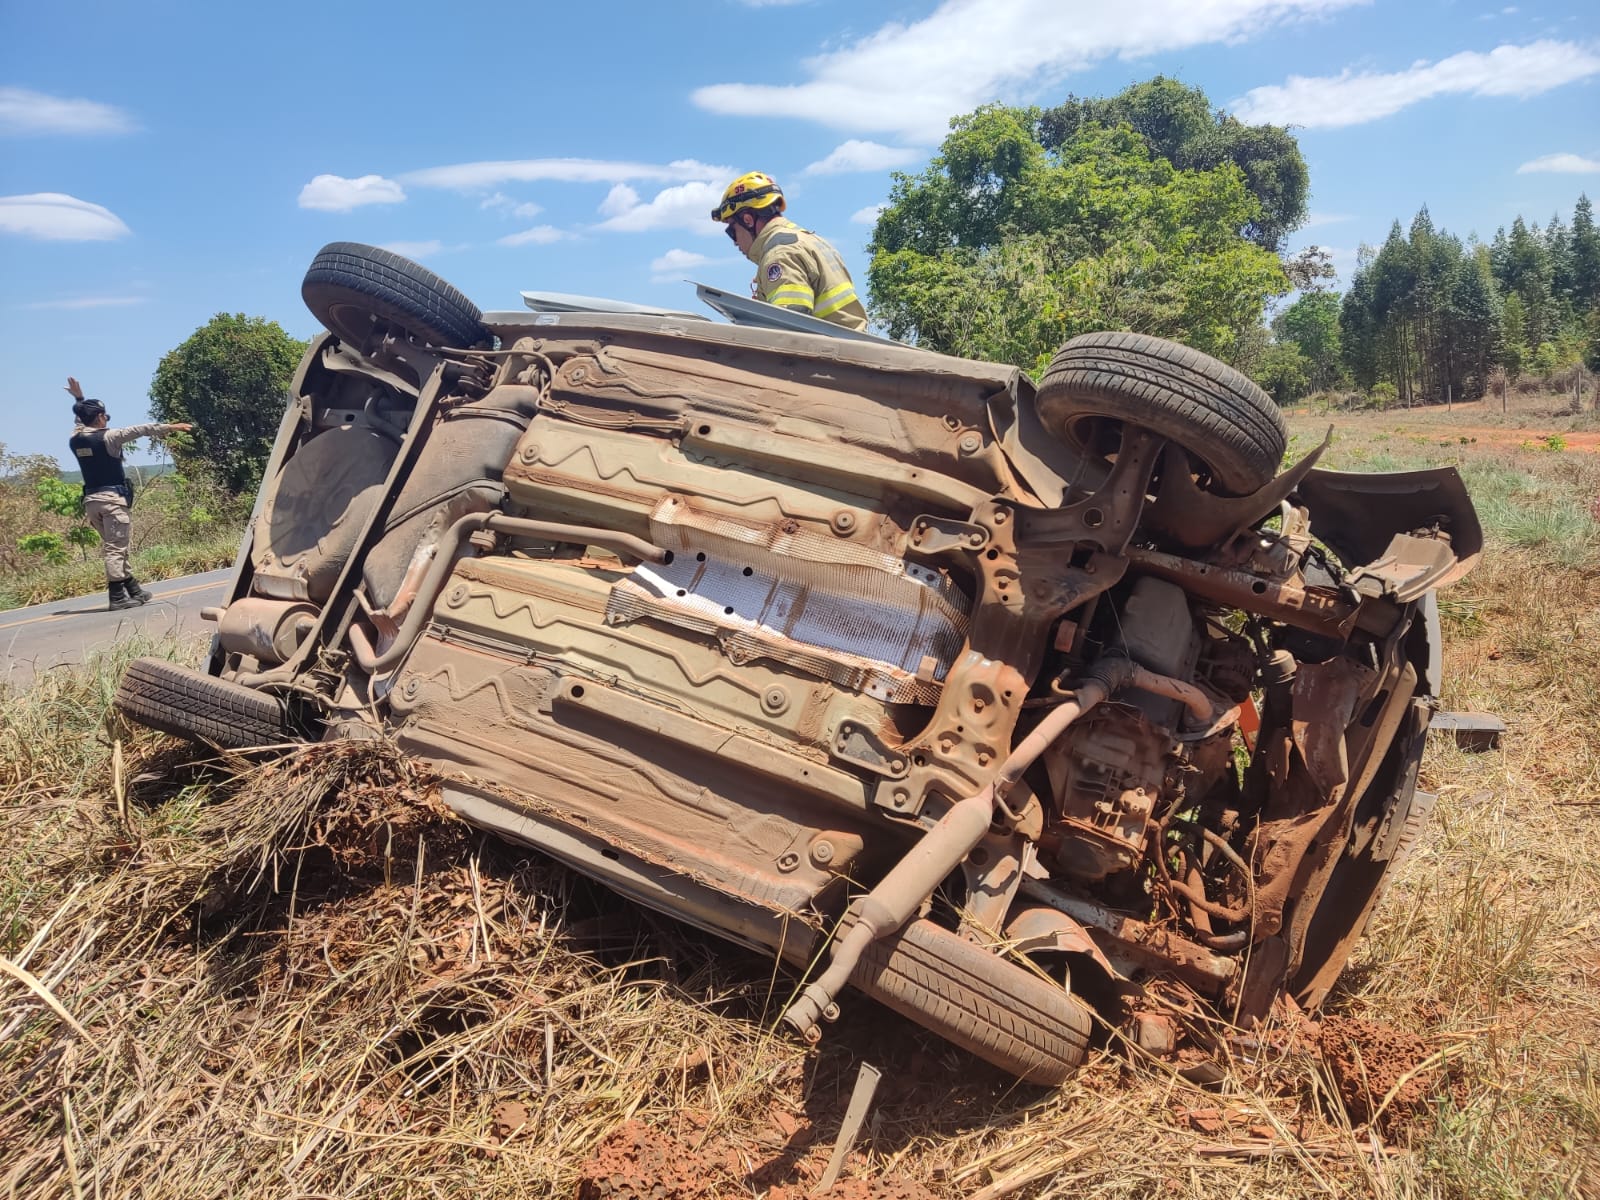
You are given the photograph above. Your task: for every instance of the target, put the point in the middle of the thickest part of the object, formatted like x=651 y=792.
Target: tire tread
x=176 y=700
x=1227 y=420
x=996 y=1009
x=397 y=288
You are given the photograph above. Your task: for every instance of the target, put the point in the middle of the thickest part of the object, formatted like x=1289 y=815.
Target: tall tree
x=1477 y=318
x=230 y=378
x=1004 y=249
x=1179 y=124
x=1526 y=271
x=1585 y=256
x=1311 y=325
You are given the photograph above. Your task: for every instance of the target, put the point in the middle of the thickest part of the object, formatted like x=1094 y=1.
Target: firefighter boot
x=118 y=588
x=137 y=593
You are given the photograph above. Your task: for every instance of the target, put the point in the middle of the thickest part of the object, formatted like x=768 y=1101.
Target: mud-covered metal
x=826 y=646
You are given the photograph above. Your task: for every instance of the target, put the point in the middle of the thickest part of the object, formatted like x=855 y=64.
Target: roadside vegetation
x=182 y=524
x=306 y=960
x=297 y=975
x=229 y=379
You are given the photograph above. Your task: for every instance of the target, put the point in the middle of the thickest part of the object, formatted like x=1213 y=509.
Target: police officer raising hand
x=107 y=494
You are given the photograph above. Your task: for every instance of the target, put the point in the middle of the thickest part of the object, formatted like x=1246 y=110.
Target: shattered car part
x=979 y=698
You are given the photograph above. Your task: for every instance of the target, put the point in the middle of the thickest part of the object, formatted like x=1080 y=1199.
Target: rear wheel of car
x=1000 y=1011
x=351 y=288
x=176 y=700
x=1100 y=382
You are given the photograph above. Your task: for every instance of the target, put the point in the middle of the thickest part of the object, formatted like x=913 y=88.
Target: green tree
x=1585 y=257
x=1525 y=269
x=1478 y=320
x=1003 y=249
x=230 y=379
x=1179 y=124
x=1311 y=326
x=1284 y=372
x=1514 y=334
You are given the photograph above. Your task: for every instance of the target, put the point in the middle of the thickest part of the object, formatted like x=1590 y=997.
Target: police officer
x=107 y=495
x=795 y=269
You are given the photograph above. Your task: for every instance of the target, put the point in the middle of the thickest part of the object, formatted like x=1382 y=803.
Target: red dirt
x=638 y=1162
x=1438 y=424
x=1367 y=1060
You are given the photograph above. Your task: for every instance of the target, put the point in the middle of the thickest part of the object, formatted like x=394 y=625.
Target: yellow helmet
x=752 y=191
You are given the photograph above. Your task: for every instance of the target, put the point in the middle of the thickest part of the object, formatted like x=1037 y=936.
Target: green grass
x=1532 y=498
x=87 y=576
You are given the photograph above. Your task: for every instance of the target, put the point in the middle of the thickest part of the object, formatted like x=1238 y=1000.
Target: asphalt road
x=64 y=632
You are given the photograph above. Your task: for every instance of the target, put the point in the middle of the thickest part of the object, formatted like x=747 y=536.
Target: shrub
x=1383 y=395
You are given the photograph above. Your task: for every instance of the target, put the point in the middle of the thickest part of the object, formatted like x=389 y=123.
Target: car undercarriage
x=1006 y=705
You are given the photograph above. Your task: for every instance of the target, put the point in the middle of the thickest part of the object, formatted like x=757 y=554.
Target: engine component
x=1157 y=629
x=1106 y=774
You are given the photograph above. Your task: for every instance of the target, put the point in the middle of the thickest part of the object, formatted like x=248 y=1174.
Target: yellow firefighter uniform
x=797 y=270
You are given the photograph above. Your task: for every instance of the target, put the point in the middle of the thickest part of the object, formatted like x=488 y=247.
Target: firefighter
x=107 y=494
x=795 y=269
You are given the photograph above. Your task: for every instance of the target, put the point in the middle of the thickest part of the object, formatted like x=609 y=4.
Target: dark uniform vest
x=102 y=470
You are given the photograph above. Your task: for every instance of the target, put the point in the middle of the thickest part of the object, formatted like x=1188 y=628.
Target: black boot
x=136 y=592
x=119 y=595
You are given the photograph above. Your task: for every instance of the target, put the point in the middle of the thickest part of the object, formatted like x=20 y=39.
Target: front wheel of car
x=352 y=288
x=1100 y=382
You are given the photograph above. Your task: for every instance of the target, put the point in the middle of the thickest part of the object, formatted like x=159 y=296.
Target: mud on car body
x=989 y=700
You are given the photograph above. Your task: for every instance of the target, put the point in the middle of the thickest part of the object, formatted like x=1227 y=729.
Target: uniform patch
x=774 y=273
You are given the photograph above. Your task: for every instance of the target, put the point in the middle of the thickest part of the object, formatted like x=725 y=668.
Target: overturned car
x=1000 y=704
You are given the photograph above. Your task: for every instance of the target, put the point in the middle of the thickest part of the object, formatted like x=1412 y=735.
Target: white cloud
x=80 y=302
x=1317 y=218
x=908 y=79
x=684 y=206
x=467 y=176
x=55 y=217
x=335 y=193
x=620 y=199
x=414 y=249
x=539 y=235
x=23 y=111
x=522 y=210
x=1331 y=101
x=1560 y=164
x=671 y=265
x=857 y=155
x=867 y=215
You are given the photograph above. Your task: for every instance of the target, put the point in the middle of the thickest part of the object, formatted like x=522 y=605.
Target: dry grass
x=301 y=979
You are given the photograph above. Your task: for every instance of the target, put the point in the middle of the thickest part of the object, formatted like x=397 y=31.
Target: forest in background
x=1155 y=212
x=1428 y=318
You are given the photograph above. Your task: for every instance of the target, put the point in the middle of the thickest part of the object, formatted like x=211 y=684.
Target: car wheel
x=1099 y=382
x=1002 y=1012
x=351 y=287
x=176 y=700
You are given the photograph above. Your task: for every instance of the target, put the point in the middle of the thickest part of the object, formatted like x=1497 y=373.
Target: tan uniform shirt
x=116 y=439
x=106 y=510
x=796 y=269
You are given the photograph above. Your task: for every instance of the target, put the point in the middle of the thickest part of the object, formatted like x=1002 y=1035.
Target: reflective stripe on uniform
x=835 y=298
x=792 y=295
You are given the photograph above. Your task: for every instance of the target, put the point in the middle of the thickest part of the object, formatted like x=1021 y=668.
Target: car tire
x=1099 y=382
x=351 y=287
x=998 y=1010
x=173 y=699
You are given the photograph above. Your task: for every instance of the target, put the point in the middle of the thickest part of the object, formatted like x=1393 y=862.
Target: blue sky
x=164 y=161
